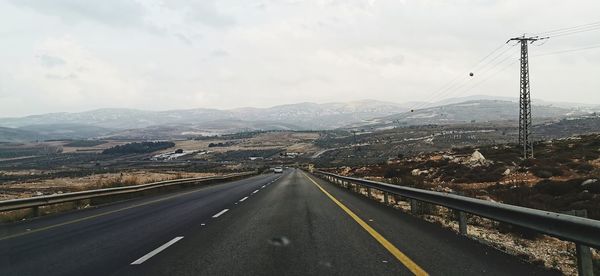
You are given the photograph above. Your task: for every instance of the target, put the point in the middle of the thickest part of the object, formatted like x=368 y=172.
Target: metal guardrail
x=35 y=202
x=584 y=232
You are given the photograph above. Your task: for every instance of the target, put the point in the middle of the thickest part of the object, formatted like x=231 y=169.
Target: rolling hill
x=467 y=112
x=365 y=114
x=301 y=116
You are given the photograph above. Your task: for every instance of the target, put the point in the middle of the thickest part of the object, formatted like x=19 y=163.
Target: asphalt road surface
x=274 y=224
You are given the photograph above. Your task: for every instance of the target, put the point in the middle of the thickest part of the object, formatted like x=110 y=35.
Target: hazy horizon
x=407 y=105
x=73 y=56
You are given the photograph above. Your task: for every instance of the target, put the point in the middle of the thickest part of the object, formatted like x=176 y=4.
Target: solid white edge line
x=156 y=251
x=242 y=200
x=220 y=213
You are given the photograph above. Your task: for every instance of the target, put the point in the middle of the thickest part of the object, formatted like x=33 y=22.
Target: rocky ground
x=564 y=176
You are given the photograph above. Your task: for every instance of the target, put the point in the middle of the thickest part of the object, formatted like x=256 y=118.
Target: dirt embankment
x=97 y=181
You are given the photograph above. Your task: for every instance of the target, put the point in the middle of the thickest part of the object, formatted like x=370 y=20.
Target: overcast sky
x=75 y=55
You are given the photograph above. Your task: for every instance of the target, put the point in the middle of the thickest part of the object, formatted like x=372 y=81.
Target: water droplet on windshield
x=279 y=241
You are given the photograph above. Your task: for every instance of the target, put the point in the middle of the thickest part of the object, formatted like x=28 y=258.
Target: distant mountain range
x=132 y=123
x=140 y=124
x=486 y=110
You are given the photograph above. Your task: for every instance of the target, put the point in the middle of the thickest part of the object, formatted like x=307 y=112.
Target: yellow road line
x=405 y=260
x=91 y=217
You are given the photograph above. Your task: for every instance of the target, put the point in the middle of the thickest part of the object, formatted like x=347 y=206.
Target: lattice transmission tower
x=525 y=137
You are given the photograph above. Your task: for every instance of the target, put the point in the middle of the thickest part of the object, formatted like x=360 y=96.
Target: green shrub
x=391 y=173
x=143 y=147
x=546 y=172
x=557 y=188
x=584 y=168
x=85 y=143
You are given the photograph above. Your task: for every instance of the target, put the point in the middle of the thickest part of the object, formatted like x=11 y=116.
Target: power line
x=488 y=55
x=575 y=31
x=568 y=28
x=450 y=84
x=457 y=82
x=491 y=76
x=502 y=69
x=487 y=63
x=451 y=91
x=484 y=75
x=567 y=51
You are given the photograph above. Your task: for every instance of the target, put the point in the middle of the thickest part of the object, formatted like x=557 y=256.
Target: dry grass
x=67 y=149
x=98 y=181
x=292 y=141
x=22 y=214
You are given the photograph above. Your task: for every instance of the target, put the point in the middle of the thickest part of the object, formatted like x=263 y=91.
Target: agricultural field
x=288 y=141
x=41 y=168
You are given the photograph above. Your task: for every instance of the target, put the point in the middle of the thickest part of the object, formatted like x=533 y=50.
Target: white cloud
x=65 y=74
x=69 y=55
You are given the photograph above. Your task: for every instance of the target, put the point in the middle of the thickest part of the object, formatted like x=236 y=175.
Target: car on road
x=278 y=170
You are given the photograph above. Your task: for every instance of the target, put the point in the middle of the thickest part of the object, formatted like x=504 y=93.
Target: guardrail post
x=386 y=198
x=369 y=193
x=414 y=206
x=35 y=211
x=585 y=266
x=462 y=223
x=462 y=219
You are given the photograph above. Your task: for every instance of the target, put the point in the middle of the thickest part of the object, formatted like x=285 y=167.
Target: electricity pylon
x=525 y=139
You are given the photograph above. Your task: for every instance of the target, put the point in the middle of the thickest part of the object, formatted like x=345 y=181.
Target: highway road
x=273 y=224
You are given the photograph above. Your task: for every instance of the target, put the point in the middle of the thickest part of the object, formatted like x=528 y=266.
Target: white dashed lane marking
x=156 y=251
x=220 y=213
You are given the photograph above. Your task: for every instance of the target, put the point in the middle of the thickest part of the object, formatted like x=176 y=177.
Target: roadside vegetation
x=84 y=143
x=563 y=177
x=138 y=147
x=9 y=150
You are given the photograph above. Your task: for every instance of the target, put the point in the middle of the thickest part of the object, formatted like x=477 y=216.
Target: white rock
x=447 y=190
x=477 y=157
x=417 y=172
x=506 y=172
x=589 y=181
